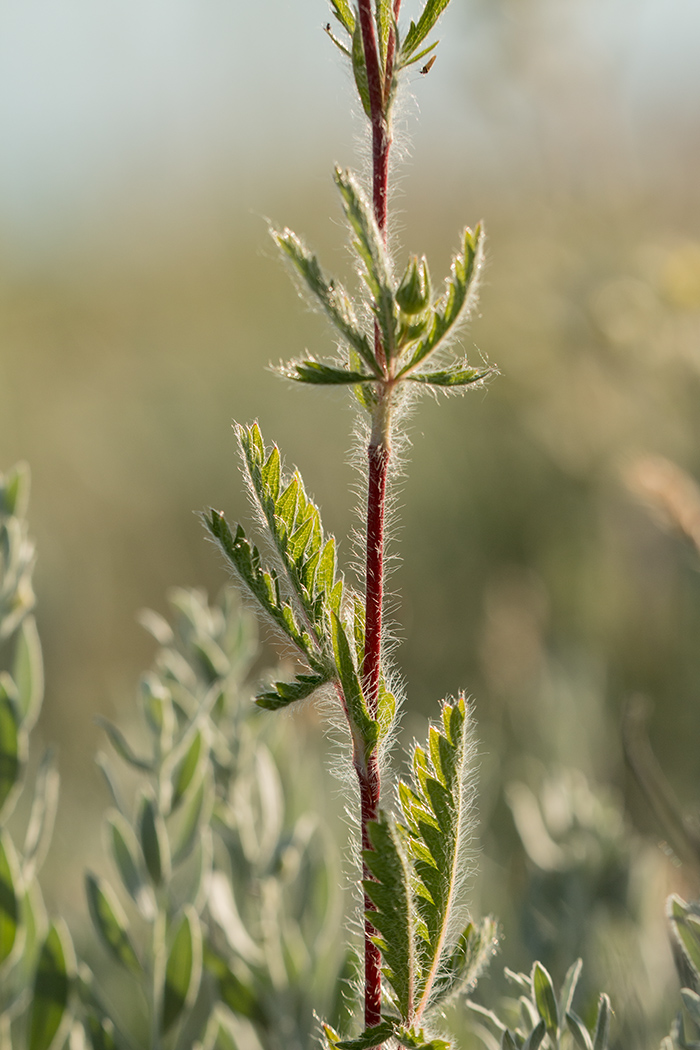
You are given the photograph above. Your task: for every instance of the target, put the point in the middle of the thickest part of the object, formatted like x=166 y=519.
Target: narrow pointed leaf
x=281 y=694
x=374 y=1036
x=691 y=1001
x=12 y=742
x=109 y=920
x=451 y=377
x=362 y=722
x=418 y=31
x=9 y=900
x=125 y=851
x=568 y=988
x=579 y=1031
x=602 y=1028
x=545 y=999
x=536 y=1037
x=28 y=672
x=185 y=772
x=184 y=968
x=154 y=841
x=359 y=69
x=51 y=988
x=123 y=748
x=343 y=12
x=320 y=374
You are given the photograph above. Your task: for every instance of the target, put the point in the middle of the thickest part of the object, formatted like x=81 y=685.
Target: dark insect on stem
x=428 y=65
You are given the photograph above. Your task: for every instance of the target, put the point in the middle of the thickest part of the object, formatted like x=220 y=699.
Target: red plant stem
x=378 y=454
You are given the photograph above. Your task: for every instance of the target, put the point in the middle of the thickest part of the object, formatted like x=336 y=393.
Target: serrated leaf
x=343 y=12
x=281 y=694
x=438 y=814
x=109 y=920
x=450 y=378
x=320 y=374
x=467 y=961
x=545 y=999
x=183 y=970
x=371 y=251
x=125 y=849
x=418 y=31
x=9 y=900
x=455 y=301
x=272 y=474
x=359 y=69
x=330 y=294
x=602 y=1028
x=28 y=673
x=364 y=727
x=13 y=742
x=51 y=988
x=391 y=894
x=371 y=1037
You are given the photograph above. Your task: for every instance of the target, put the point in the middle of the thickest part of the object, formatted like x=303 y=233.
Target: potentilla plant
x=394 y=338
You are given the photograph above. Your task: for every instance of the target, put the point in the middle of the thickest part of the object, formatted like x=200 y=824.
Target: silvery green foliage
x=684 y=924
x=36 y=954
x=217 y=865
x=539 y=1018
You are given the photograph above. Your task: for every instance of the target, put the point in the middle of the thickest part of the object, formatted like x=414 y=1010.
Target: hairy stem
x=378 y=455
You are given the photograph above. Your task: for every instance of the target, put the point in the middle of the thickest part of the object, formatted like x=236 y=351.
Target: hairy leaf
x=359 y=69
x=365 y=729
x=330 y=293
x=417 y=32
x=320 y=374
x=436 y=809
x=281 y=694
x=370 y=249
x=456 y=299
x=453 y=378
x=390 y=892
x=343 y=12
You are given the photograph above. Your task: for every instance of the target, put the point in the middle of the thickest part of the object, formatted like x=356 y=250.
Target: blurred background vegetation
x=140 y=306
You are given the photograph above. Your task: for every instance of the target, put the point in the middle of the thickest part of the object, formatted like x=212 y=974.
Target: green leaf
x=330 y=294
x=125 y=851
x=385 y=20
x=507 y=1041
x=390 y=892
x=359 y=69
x=691 y=1001
x=343 y=12
x=194 y=813
x=13 y=743
x=437 y=810
x=456 y=301
x=365 y=729
x=51 y=989
x=317 y=373
x=14 y=490
x=9 y=901
x=602 y=1028
x=154 y=841
x=686 y=929
x=568 y=988
x=100 y=1032
x=271 y=473
x=236 y=989
x=416 y=1039
x=42 y=816
x=417 y=32
x=371 y=251
x=468 y=960
x=196 y=756
x=452 y=377
x=371 y=1037
x=184 y=968
x=157 y=705
x=109 y=920
x=579 y=1031
x=545 y=999
x=282 y=694
x=536 y=1036
x=28 y=673
x=414 y=292
x=123 y=748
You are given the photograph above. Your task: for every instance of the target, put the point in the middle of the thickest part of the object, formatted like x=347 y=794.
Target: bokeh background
x=144 y=143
